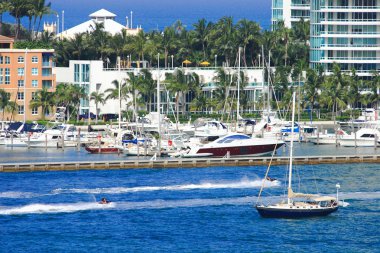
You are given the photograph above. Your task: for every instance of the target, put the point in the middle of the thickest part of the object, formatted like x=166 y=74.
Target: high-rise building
x=290 y=11
x=24 y=72
x=346 y=32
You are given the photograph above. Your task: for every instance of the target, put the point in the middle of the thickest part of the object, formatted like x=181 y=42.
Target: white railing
x=351 y=7
x=348 y=33
x=350 y=45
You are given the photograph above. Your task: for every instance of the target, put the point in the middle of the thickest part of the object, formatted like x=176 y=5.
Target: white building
x=100 y=16
x=92 y=76
x=290 y=11
x=346 y=32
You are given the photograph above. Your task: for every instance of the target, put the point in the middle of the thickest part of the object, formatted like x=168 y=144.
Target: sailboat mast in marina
x=298 y=205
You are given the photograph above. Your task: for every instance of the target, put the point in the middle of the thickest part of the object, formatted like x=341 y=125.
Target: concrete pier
x=184 y=163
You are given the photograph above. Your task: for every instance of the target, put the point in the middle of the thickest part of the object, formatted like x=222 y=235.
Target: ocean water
x=159 y=14
x=184 y=210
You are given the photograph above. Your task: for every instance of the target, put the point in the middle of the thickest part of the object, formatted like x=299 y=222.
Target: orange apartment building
x=22 y=73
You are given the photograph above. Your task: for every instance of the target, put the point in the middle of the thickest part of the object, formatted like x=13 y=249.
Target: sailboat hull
x=294 y=213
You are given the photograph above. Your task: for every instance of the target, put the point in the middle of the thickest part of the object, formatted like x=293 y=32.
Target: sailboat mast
x=269 y=71
x=158 y=105
x=238 y=88
x=119 y=91
x=291 y=148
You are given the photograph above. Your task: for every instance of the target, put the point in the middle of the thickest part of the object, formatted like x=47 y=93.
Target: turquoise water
x=183 y=210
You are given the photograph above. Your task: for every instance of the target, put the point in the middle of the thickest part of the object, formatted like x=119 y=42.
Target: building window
x=21 y=110
x=34 y=59
x=35 y=83
x=34 y=95
x=34 y=71
x=7 y=76
x=7 y=60
x=1 y=75
x=20 y=95
x=76 y=72
x=35 y=111
x=1 y=59
x=20 y=71
x=20 y=83
x=20 y=59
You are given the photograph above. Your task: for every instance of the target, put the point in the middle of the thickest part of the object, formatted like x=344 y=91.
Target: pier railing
x=184 y=163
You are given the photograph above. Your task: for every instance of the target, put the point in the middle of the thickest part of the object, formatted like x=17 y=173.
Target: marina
x=197 y=133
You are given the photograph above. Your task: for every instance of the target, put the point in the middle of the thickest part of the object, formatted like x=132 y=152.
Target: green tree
x=18 y=9
x=147 y=86
x=98 y=99
x=45 y=100
x=4 y=7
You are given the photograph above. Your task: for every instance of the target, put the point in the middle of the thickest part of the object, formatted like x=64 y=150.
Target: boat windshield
x=231 y=138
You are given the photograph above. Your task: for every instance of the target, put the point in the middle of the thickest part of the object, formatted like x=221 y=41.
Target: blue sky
x=159 y=13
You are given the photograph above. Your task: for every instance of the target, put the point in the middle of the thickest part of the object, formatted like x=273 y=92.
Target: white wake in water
x=244 y=183
x=18 y=195
x=159 y=204
x=53 y=208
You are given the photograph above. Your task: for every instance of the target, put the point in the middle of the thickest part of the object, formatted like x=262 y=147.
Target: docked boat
x=364 y=137
x=297 y=205
x=103 y=148
x=235 y=144
x=327 y=138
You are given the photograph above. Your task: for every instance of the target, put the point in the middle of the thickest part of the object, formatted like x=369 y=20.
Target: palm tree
x=4 y=7
x=18 y=9
x=148 y=86
x=77 y=93
x=177 y=85
x=4 y=100
x=133 y=83
x=224 y=36
x=113 y=93
x=138 y=45
x=98 y=99
x=312 y=88
x=202 y=31
x=168 y=42
x=223 y=81
x=40 y=9
x=333 y=90
x=247 y=33
x=45 y=100
x=77 y=45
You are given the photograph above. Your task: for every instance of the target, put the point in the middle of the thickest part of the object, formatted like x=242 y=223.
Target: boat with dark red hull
x=236 y=144
x=103 y=149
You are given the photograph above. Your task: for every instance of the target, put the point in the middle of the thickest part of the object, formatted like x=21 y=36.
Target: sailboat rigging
x=298 y=205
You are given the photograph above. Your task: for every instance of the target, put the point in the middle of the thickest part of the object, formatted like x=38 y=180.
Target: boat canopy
x=231 y=138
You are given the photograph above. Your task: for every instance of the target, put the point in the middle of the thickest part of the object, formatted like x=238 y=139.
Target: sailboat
x=298 y=205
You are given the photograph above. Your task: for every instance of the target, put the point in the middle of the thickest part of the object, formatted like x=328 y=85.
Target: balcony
x=351 y=7
x=350 y=46
x=48 y=64
x=350 y=59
